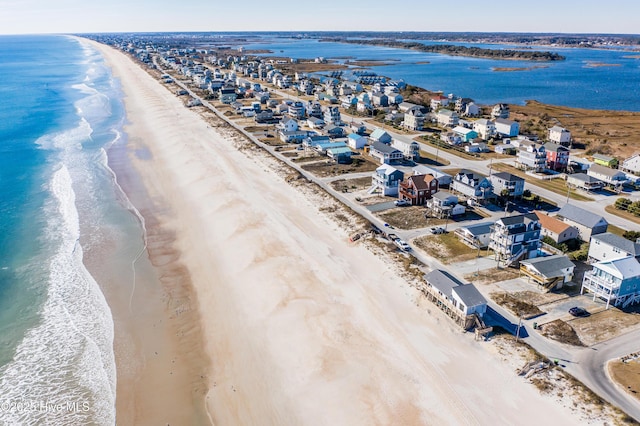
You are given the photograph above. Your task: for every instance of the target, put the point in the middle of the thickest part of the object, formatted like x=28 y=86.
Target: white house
x=356 y=141
x=486 y=129
x=447 y=118
x=559 y=135
x=631 y=164
x=476 y=235
x=607 y=175
x=507 y=128
x=410 y=149
x=609 y=246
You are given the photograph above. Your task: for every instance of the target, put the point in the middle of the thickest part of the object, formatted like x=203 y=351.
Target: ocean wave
x=67 y=139
x=63 y=371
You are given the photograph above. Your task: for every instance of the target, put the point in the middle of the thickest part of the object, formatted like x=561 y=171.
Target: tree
x=622 y=203
x=631 y=235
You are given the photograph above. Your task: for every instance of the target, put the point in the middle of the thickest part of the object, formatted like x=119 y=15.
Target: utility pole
x=518 y=329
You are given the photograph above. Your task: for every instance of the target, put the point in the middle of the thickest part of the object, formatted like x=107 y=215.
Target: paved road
x=586 y=364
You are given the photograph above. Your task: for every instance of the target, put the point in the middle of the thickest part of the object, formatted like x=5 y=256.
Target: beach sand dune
x=299 y=325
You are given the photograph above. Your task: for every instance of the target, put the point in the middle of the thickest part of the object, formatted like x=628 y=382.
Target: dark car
x=579 y=312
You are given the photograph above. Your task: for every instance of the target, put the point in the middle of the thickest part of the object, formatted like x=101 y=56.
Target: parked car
x=579 y=312
x=402 y=245
x=438 y=230
x=402 y=202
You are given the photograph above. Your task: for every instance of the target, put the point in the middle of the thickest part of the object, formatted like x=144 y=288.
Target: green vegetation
x=454 y=50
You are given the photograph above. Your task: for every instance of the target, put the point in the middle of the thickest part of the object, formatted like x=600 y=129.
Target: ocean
x=60 y=112
x=589 y=78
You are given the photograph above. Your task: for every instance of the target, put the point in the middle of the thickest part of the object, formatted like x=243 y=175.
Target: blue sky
x=558 y=16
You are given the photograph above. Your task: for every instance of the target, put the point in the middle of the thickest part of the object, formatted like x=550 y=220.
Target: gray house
x=588 y=223
x=474 y=186
x=385 y=153
x=462 y=302
x=513 y=184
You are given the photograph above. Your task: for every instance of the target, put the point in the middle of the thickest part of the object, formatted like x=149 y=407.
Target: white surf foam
x=63 y=372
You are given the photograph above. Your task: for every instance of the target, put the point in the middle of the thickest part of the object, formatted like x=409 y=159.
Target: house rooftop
x=469 y=295
x=478 y=228
x=554 y=147
x=422 y=182
x=584 y=178
x=551 y=223
x=550 y=266
x=617 y=241
x=603 y=170
x=442 y=280
x=517 y=219
x=624 y=268
x=580 y=216
x=508 y=177
x=378 y=133
x=384 y=148
x=602 y=157
x=444 y=196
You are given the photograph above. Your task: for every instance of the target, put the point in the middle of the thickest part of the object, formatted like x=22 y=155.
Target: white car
x=402 y=203
x=402 y=245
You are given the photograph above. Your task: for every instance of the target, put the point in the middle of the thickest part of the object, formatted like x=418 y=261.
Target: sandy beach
x=265 y=313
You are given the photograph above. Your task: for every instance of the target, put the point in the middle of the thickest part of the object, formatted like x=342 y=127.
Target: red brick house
x=417 y=189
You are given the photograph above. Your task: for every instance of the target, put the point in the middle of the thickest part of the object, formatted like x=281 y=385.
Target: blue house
x=616 y=281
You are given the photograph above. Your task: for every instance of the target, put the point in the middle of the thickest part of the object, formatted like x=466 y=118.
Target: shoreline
x=301 y=326
x=159 y=359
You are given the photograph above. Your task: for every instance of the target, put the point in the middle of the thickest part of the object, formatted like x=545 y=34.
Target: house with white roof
x=616 y=281
x=467 y=135
x=631 y=164
x=608 y=246
x=586 y=222
x=559 y=135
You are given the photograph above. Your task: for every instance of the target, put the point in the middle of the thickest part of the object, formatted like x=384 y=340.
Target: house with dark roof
x=503 y=181
x=549 y=271
x=584 y=181
x=608 y=246
x=461 y=302
x=556 y=229
x=385 y=153
x=586 y=222
x=557 y=156
x=417 y=189
x=515 y=237
x=444 y=179
x=473 y=185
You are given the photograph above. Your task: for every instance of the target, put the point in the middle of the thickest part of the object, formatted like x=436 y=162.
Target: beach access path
x=302 y=327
